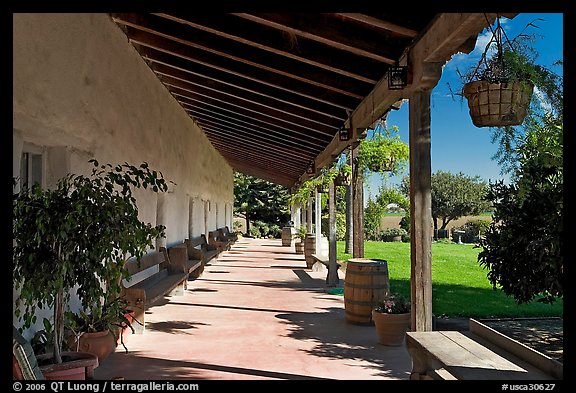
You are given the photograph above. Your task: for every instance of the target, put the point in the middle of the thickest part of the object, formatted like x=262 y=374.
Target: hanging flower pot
x=343 y=179
x=500 y=88
x=498 y=104
x=384 y=153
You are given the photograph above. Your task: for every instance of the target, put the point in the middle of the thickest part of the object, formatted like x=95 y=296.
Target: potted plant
x=500 y=87
x=344 y=176
x=384 y=152
x=78 y=234
x=100 y=330
x=392 y=319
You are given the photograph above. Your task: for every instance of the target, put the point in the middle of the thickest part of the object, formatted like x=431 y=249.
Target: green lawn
x=459 y=283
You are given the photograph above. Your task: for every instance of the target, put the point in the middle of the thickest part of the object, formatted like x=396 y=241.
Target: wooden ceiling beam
x=261 y=173
x=265 y=161
x=332 y=34
x=190 y=104
x=204 y=116
x=380 y=24
x=291 y=120
x=327 y=94
x=248 y=55
x=257 y=143
x=265 y=118
x=274 y=41
x=282 y=95
x=277 y=107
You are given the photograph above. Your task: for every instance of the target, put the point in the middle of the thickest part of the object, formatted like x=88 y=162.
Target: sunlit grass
x=459 y=284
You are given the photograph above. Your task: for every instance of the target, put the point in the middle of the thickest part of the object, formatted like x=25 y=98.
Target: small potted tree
x=78 y=234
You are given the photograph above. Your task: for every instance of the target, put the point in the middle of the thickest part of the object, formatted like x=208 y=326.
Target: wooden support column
x=318 y=220
x=357 y=208
x=309 y=216
x=420 y=211
x=332 y=279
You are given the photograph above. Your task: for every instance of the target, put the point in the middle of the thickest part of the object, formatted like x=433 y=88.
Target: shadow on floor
x=335 y=338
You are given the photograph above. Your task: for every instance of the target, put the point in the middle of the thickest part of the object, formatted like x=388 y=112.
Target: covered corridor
x=256 y=313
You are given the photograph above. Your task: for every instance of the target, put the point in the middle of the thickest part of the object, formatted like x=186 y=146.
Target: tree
x=260 y=200
x=523 y=248
x=456 y=195
x=375 y=209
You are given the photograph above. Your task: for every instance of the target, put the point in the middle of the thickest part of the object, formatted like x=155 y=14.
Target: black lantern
x=344 y=134
x=397 y=77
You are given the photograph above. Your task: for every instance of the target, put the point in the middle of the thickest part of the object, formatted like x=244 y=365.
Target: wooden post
x=309 y=216
x=332 y=278
x=357 y=208
x=420 y=211
x=318 y=220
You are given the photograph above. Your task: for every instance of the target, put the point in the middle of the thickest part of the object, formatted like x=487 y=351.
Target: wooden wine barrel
x=287 y=236
x=309 y=249
x=366 y=285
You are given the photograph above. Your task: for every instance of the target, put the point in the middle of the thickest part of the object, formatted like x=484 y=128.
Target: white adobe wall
x=81 y=91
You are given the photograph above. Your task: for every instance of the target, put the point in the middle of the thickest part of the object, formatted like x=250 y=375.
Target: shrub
x=389 y=233
x=275 y=231
x=473 y=230
x=254 y=231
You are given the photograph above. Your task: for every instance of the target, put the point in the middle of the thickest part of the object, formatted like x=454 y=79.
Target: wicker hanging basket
x=498 y=104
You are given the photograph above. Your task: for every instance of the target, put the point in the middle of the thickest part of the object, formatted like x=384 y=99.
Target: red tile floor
x=256 y=313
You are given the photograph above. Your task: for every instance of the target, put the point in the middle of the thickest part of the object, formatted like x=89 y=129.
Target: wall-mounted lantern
x=397 y=77
x=344 y=134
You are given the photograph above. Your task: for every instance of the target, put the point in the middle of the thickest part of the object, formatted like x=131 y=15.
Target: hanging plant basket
x=499 y=89
x=343 y=179
x=498 y=104
x=381 y=165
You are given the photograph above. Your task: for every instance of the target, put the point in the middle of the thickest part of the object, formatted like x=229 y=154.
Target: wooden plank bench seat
x=191 y=263
x=322 y=263
x=152 y=279
x=198 y=248
x=231 y=237
x=216 y=239
x=455 y=355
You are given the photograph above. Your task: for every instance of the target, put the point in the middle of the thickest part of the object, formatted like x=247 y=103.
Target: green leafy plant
x=394 y=304
x=112 y=316
x=389 y=233
x=384 y=153
x=301 y=233
x=79 y=233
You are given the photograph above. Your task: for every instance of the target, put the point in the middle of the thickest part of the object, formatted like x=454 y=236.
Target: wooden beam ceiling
x=271 y=90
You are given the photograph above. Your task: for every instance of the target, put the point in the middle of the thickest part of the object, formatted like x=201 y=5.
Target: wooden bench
x=215 y=239
x=322 y=263
x=152 y=279
x=198 y=248
x=179 y=256
x=455 y=355
x=226 y=234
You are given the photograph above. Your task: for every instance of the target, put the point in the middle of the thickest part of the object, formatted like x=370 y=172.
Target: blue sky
x=457 y=145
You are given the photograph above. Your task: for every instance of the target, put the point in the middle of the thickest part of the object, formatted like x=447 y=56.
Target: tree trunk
x=58 y=326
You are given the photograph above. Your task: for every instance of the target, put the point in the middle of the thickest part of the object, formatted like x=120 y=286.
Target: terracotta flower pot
x=100 y=344
x=391 y=328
